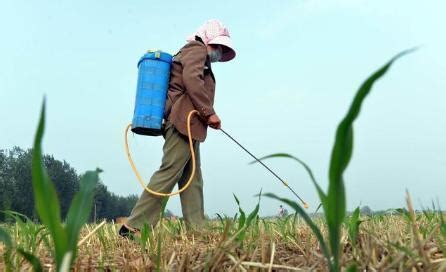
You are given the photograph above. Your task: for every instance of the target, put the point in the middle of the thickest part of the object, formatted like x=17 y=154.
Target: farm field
x=381 y=243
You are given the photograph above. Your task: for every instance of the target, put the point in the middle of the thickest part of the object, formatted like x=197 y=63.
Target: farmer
x=282 y=211
x=191 y=87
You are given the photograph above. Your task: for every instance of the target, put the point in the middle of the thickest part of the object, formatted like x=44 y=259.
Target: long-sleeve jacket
x=191 y=86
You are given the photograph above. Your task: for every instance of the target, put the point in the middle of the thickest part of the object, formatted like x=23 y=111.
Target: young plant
x=64 y=236
x=10 y=247
x=243 y=222
x=5 y=238
x=352 y=224
x=334 y=200
x=28 y=234
x=442 y=223
x=160 y=233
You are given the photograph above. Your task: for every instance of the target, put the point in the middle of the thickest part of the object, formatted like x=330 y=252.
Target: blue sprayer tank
x=151 y=93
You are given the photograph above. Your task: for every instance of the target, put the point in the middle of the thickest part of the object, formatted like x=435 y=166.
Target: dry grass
x=384 y=243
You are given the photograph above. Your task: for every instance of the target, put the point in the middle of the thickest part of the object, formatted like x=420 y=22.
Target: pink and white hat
x=214 y=32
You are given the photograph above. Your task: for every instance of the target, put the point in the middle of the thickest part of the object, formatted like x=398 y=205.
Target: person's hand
x=214 y=122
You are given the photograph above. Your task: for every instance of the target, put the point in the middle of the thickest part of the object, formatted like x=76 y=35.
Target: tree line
x=16 y=192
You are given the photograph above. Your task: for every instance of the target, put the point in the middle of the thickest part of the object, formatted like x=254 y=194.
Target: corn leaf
x=335 y=205
x=314 y=228
x=80 y=208
x=33 y=260
x=320 y=192
x=45 y=197
x=5 y=238
x=242 y=218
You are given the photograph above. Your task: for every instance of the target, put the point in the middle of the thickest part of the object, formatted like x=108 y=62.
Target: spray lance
x=151 y=93
x=264 y=165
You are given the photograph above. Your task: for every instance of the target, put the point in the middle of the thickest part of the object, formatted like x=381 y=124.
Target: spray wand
x=264 y=165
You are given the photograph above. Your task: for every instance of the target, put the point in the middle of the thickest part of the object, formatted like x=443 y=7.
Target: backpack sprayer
x=151 y=94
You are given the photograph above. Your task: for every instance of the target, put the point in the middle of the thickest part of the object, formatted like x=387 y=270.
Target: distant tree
x=65 y=180
x=20 y=179
x=17 y=192
x=6 y=188
x=110 y=206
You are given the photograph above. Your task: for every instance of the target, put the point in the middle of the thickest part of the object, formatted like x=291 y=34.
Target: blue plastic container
x=151 y=93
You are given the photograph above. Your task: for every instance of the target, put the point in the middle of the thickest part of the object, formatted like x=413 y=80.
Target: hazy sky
x=298 y=66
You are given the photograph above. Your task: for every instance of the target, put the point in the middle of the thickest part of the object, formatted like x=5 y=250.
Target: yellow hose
x=138 y=176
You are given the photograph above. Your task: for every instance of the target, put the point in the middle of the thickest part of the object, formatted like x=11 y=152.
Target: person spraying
x=191 y=88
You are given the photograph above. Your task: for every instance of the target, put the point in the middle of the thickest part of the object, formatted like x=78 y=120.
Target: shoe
x=128 y=232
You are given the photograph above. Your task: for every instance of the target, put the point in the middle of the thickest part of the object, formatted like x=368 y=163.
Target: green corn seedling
x=243 y=221
x=29 y=234
x=334 y=200
x=5 y=238
x=10 y=247
x=352 y=224
x=160 y=229
x=64 y=236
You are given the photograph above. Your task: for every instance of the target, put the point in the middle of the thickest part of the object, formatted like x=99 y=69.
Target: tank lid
x=156 y=55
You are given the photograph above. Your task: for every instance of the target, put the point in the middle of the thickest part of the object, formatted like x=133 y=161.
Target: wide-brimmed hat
x=228 y=48
x=214 y=32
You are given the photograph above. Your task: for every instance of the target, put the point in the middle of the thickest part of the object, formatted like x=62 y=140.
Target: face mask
x=215 y=55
